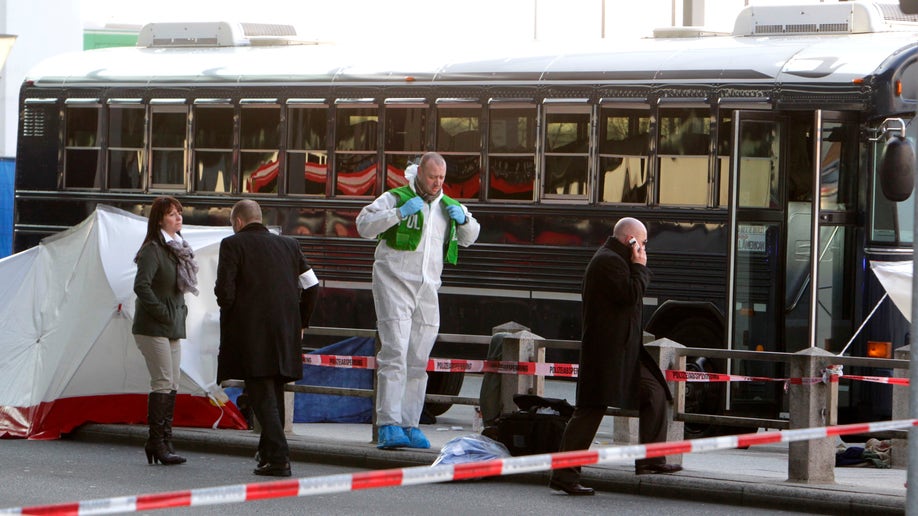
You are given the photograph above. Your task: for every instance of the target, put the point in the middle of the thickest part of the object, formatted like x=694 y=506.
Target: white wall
x=38 y=36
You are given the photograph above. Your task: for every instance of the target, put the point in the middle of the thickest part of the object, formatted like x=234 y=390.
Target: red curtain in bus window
x=263 y=176
x=360 y=182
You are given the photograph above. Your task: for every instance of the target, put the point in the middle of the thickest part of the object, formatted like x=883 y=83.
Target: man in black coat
x=615 y=369
x=266 y=291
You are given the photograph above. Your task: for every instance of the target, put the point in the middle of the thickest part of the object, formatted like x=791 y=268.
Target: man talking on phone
x=615 y=369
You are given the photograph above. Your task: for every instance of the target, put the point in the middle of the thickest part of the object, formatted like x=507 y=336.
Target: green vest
x=406 y=238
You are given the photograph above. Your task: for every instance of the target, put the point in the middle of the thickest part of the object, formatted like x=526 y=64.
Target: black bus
x=752 y=158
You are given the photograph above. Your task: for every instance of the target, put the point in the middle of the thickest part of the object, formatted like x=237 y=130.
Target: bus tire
x=442 y=383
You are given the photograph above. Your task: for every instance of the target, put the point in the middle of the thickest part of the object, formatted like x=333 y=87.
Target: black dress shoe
x=273 y=470
x=650 y=469
x=571 y=489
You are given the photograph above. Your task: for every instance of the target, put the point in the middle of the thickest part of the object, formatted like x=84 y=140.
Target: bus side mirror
x=897 y=169
x=908 y=6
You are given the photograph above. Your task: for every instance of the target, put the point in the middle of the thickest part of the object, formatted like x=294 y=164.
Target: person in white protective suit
x=418 y=228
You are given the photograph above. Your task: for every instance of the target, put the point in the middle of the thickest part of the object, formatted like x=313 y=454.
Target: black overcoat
x=259 y=295
x=612 y=344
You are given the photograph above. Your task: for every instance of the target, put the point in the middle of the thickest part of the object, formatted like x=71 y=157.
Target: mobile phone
x=632 y=241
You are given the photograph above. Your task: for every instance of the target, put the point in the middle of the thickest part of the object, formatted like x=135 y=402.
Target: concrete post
x=489 y=396
x=521 y=347
x=665 y=353
x=625 y=428
x=898 y=457
x=288 y=409
x=812 y=405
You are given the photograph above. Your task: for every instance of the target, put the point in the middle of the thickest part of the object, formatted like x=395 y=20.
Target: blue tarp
x=327 y=408
x=7 y=192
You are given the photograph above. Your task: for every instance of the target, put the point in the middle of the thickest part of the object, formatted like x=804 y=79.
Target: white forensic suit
x=405 y=285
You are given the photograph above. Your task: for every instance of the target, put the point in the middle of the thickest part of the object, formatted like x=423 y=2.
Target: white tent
x=66 y=309
x=896 y=278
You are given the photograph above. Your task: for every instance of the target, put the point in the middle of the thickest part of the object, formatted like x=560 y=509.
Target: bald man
x=615 y=369
x=266 y=291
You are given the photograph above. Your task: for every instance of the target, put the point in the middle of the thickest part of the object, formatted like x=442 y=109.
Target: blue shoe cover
x=392 y=436
x=416 y=438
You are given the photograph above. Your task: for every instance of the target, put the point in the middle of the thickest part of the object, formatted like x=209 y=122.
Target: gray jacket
x=160 y=309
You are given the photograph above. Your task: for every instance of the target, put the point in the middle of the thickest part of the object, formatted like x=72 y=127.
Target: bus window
x=259 y=139
x=167 y=147
x=511 y=154
x=406 y=136
x=567 y=152
x=213 y=149
x=839 y=165
x=624 y=151
x=459 y=142
x=724 y=136
x=355 y=150
x=307 y=155
x=125 y=147
x=759 y=154
x=685 y=143
x=81 y=161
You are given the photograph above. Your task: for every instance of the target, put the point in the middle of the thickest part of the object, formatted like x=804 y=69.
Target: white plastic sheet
x=896 y=278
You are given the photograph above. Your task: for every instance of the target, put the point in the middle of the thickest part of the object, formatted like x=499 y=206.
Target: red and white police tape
x=454 y=365
x=571 y=370
x=442 y=473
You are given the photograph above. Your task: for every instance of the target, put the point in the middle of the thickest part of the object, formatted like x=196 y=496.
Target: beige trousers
x=163 y=357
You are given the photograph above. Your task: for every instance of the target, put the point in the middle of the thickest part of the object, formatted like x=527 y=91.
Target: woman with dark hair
x=166 y=270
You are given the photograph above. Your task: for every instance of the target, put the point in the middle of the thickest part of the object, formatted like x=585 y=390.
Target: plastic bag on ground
x=470 y=448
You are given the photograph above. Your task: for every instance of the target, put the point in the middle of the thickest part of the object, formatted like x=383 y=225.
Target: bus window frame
x=251 y=105
x=82 y=104
x=672 y=105
x=632 y=105
x=454 y=106
x=498 y=104
x=391 y=105
x=125 y=104
x=290 y=149
x=566 y=107
x=168 y=106
x=234 y=182
x=370 y=104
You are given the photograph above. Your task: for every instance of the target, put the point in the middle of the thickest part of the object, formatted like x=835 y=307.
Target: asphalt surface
x=753 y=477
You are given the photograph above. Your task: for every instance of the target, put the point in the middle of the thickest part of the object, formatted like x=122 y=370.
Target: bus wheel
x=701 y=398
x=442 y=383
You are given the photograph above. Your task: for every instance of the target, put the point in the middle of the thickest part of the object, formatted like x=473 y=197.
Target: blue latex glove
x=456 y=213
x=411 y=206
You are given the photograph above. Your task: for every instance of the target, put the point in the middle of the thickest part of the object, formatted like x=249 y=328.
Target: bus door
x=757 y=251
x=778 y=162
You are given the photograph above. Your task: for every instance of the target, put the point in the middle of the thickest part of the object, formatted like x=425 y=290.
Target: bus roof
x=825 y=43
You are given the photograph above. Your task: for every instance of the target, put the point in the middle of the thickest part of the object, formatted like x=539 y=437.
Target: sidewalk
x=753 y=477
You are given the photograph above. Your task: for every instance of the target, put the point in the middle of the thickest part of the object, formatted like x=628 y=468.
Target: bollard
x=489 y=396
x=289 y=398
x=625 y=428
x=898 y=457
x=812 y=405
x=665 y=353
x=521 y=347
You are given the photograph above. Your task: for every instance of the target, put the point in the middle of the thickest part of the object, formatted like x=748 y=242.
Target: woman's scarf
x=187 y=268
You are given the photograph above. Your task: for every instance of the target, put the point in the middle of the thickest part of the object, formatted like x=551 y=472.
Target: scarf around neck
x=187 y=268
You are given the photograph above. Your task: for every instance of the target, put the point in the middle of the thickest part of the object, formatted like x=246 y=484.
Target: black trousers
x=266 y=395
x=582 y=427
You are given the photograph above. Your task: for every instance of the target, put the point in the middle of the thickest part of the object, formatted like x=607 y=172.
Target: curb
x=715 y=488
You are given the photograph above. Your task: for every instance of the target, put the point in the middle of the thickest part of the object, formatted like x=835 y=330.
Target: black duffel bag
x=537 y=427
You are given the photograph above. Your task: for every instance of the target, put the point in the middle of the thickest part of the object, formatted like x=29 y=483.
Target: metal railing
x=810 y=405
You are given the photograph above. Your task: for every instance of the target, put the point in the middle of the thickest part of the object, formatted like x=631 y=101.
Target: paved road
x=42 y=472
